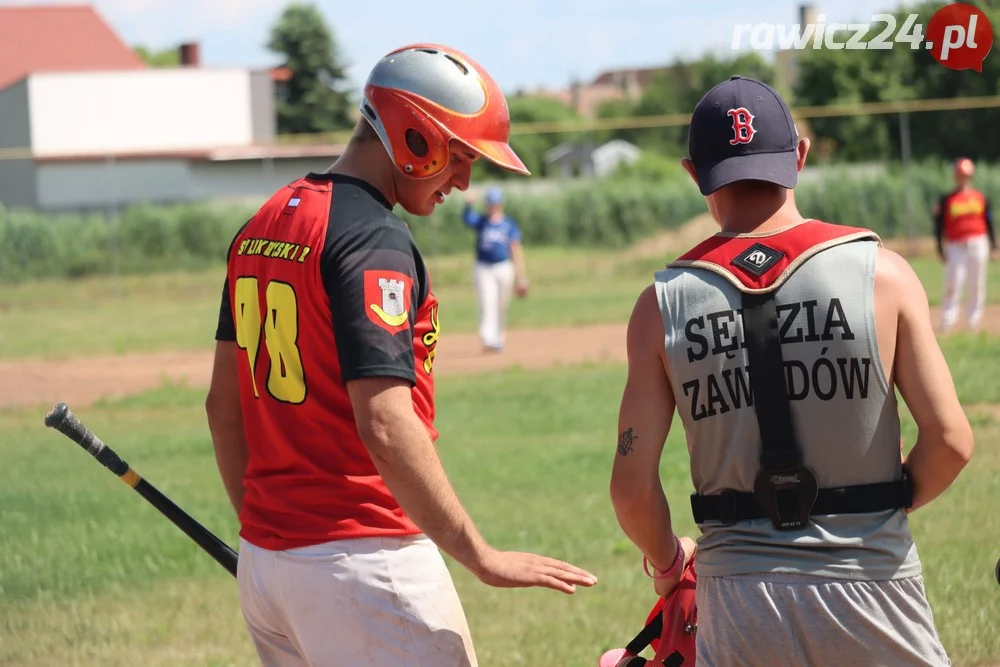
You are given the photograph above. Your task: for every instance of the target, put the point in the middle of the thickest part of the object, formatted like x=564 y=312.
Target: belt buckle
x=787 y=496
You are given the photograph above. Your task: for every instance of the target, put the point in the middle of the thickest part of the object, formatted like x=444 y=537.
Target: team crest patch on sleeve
x=757 y=259
x=387 y=299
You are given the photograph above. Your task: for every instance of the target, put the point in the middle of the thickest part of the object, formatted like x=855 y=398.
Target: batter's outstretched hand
x=515 y=569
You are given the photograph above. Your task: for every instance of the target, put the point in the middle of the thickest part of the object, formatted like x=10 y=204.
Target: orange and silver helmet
x=419 y=97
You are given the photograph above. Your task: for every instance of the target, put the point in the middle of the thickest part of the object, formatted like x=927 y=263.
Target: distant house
x=611 y=85
x=86 y=125
x=585 y=160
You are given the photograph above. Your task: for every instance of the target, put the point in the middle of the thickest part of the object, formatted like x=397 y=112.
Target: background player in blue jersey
x=499 y=268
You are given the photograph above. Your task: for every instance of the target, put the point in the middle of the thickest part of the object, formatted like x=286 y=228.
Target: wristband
x=672 y=570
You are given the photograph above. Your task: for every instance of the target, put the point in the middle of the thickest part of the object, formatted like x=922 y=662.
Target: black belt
x=785 y=490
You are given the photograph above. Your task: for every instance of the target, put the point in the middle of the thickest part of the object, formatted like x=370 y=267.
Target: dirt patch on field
x=29 y=383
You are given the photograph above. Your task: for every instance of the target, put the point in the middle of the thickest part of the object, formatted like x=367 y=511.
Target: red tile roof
x=63 y=38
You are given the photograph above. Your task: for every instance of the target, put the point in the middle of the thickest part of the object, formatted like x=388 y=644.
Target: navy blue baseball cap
x=742 y=130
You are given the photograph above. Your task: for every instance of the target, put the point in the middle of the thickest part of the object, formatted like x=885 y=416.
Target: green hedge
x=607 y=214
x=603 y=214
x=854 y=196
x=143 y=238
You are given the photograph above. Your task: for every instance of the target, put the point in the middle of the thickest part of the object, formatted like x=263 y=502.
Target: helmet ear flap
x=415 y=144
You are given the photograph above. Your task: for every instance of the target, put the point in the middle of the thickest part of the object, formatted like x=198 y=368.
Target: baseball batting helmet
x=420 y=96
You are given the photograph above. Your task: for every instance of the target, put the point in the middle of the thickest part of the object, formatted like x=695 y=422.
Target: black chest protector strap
x=785 y=490
x=784 y=487
x=780 y=448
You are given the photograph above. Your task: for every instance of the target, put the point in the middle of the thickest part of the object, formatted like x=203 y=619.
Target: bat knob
x=56 y=415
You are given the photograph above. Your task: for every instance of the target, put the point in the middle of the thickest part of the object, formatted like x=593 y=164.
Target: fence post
x=109 y=163
x=904 y=146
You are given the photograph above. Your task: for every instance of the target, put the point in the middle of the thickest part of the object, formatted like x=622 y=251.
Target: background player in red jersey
x=321 y=406
x=963 y=226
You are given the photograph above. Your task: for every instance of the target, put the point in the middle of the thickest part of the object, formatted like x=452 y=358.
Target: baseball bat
x=63 y=420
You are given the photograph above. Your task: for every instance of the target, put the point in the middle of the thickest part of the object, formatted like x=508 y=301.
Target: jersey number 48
x=280 y=329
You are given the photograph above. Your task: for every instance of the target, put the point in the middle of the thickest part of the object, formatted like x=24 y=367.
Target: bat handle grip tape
x=61 y=418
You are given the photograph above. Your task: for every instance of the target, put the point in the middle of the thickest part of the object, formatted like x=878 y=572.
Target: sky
x=524 y=44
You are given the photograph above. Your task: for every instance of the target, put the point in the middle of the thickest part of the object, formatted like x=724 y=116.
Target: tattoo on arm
x=625 y=440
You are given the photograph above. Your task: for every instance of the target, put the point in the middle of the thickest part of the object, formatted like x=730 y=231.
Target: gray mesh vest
x=844 y=410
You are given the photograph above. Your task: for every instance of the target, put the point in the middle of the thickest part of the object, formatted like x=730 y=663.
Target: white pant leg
x=977 y=258
x=382 y=602
x=267 y=625
x=504 y=275
x=954 y=254
x=487 y=291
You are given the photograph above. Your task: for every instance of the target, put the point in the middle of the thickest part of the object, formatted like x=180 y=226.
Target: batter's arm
x=644 y=418
x=222 y=404
x=407 y=460
x=944 y=442
x=377 y=365
x=470 y=217
x=225 y=421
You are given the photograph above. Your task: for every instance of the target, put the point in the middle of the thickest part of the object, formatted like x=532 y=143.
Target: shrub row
x=877 y=199
x=605 y=214
x=143 y=238
x=610 y=214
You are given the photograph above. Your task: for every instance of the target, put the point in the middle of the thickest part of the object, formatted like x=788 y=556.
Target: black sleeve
x=939 y=223
x=225 y=329
x=988 y=214
x=373 y=276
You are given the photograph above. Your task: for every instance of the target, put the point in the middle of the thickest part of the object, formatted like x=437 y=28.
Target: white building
x=570 y=160
x=90 y=136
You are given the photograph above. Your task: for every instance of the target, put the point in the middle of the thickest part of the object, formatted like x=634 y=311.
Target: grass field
x=89 y=574
x=57 y=319
x=92 y=575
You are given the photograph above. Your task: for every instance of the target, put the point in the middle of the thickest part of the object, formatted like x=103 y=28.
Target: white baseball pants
x=494 y=287
x=965 y=264
x=375 y=602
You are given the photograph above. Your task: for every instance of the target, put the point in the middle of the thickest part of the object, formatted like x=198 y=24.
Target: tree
x=678 y=88
x=164 y=58
x=312 y=99
x=841 y=76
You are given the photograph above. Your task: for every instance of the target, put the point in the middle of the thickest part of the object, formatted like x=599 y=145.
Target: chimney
x=807 y=15
x=574 y=95
x=190 y=54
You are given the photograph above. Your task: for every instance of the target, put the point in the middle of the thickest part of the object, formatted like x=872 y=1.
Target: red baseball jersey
x=963 y=214
x=324 y=285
